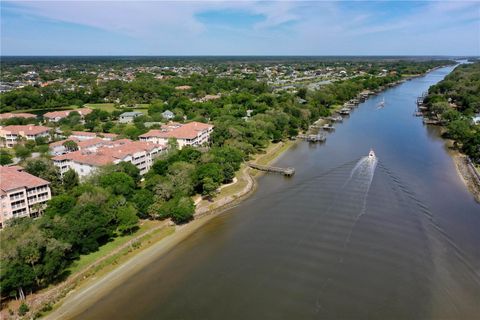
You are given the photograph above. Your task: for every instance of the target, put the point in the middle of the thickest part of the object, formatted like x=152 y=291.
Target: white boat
x=381 y=104
x=371 y=155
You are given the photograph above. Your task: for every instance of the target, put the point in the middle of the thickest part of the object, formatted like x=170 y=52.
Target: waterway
x=345 y=238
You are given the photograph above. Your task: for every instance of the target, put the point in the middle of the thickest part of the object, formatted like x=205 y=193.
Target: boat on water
x=381 y=104
x=371 y=155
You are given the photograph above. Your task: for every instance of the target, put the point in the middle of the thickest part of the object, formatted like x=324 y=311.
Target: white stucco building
x=85 y=162
x=21 y=194
x=12 y=134
x=189 y=134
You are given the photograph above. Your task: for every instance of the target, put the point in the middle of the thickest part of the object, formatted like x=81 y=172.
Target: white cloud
x=289 y=27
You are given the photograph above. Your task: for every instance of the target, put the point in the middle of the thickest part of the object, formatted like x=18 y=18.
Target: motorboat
x=381 y=104
x=371 y=155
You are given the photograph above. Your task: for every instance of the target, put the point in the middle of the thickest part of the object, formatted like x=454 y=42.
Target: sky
x=89 y=27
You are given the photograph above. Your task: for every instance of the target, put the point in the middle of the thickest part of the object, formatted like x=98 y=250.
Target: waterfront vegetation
x=455 y=101
x=84 y=215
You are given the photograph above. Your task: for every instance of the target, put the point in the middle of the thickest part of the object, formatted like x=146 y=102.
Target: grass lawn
x=87 y=259
x=102 y=106
x=144 y=111
x=272 y=152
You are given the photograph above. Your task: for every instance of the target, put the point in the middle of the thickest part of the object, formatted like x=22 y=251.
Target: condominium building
x=85 y=162
x=21 y=194
x=189 y=134
x=11 y=134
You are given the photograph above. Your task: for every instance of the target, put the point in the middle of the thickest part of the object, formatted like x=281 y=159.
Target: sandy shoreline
x=466 y=174
x=94 y=288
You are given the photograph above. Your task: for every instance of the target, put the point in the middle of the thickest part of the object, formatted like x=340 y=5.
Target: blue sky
x=240 y=27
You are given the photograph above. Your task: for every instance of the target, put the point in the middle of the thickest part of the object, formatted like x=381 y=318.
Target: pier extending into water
x=285 y=171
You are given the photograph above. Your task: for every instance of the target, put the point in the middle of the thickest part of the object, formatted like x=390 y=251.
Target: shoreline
x=81 y=296
x=466 y=174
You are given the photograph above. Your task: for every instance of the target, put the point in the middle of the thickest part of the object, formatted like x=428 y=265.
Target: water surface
x=345 y=238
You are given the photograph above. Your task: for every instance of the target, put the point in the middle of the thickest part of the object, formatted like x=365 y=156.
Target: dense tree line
x=455 y=101
x=146 y=88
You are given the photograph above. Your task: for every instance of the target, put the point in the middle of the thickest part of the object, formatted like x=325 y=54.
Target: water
x=346 y=238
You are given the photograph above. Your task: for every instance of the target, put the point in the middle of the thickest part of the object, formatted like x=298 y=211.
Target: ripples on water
x=369 y=248
x=353 y=242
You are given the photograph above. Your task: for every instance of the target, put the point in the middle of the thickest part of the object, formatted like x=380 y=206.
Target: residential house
x=127 y=117
x=56 y=116
x=189 y=134
x=9 y=135
x=21 y=194
x=167 y=114
x=85 y=162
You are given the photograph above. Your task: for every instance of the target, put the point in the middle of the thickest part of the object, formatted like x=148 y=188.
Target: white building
x=167 y=114
x=189 y=134
x=85 y=162
x=11 y=134
x=21 y=194
x=127 y=117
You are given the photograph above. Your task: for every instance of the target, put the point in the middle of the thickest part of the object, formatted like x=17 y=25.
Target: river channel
x=345 y=238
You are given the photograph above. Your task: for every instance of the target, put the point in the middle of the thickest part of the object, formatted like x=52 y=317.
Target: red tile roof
x=11 y=178
x=10 y=115
x=26 y=129
x=106 y=155
x=65 y=113
x=187 y=131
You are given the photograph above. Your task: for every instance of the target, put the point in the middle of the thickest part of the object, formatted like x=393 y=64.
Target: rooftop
x=26 y=129
x=172 y=130
x=65 y=113
x=109 y=154
x=14 y=177
x=10 y=115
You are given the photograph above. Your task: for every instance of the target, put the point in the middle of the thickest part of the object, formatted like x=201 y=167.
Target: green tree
x=60 y=205
x=70 y=179
x=70 y=145
x=44 y=168
x=23 y=309
x=183 y=209
x=142 y=200
x=127 y=219
x=209 y=186
x=130 y=169
x=5 y=157
x=22 y=152
x=119 y=183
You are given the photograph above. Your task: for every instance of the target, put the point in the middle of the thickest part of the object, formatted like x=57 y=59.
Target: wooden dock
x=431 y=122
x=285 y=171
x=335 y=118
x=328 y=127
x=313 y=137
